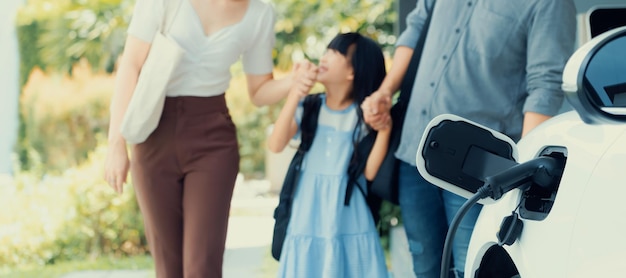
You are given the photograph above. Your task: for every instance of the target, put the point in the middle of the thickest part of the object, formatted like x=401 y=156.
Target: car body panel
x=587 y=215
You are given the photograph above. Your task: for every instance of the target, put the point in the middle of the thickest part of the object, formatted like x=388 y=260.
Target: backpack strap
x=308 y=126
x=355 y=170
x=310 y=114
x=357 y=165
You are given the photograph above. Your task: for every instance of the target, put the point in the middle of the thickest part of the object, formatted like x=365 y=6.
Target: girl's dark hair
x=367 y=61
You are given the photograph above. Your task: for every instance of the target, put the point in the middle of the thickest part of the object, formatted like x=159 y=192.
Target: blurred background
x=58 y=57
x=58 y=61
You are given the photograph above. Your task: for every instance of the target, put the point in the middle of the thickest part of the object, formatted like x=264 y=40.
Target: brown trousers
x=184 y=175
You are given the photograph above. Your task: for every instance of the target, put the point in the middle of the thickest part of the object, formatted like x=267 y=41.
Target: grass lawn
x=268 y=269
x=57 y=270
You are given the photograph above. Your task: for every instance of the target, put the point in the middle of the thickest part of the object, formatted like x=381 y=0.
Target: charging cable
x=542 y=171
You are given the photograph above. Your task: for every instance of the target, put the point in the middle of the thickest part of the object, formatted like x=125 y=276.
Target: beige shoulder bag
x=146 y=104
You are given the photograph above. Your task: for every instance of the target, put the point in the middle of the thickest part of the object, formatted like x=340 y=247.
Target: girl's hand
x=116 y=166
x=304 y=77
x=386 y=128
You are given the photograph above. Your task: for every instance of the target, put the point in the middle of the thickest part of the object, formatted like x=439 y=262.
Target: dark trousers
x=184 y=175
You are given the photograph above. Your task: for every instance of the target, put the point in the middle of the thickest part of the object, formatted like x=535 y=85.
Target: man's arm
x=532 y=120
x=551 y=40
x=393 y=80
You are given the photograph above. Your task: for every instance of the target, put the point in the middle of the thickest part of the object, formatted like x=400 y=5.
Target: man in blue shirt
x=496 y=62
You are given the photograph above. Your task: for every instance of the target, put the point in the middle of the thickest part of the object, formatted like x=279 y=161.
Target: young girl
x=325 y=237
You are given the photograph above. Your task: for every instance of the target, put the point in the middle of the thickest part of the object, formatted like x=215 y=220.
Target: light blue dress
x=325 y=238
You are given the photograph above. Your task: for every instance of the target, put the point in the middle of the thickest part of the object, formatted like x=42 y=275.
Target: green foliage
x=389 y=217
x=59 y=269
x=58 y=34
x=251 y=135
x=304 y=28
x=67 y=217
x=62 y=119
x=27 y=35
x=251 y=123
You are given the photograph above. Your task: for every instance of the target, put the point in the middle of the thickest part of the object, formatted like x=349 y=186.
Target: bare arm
x=532 y=120
x=285 y=126
x=265 y=90
x=393 y=80
x=378 y=153
x=117 y=164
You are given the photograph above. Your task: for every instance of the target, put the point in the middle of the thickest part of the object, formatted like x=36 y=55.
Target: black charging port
x=537 y=201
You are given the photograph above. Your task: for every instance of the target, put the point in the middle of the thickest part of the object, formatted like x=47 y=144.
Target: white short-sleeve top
x=205 y=67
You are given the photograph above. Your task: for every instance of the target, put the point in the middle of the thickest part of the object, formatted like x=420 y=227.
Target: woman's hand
x=116 y=166
x=304 y=76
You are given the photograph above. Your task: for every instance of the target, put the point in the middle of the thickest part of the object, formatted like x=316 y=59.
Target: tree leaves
x=95 y=30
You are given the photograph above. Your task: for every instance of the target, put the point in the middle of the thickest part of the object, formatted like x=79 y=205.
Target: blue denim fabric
x=427 y=211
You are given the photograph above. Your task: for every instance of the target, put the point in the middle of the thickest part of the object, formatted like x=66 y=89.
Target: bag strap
x=308 y=126
x=310 y=114
x=169 y=14
x=357 y=165
x=355 y=170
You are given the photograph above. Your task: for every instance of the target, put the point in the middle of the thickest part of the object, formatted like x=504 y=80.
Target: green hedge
x=71 y=216
x=62 y=119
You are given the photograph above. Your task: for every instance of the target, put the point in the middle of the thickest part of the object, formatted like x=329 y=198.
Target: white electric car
x=555 y=202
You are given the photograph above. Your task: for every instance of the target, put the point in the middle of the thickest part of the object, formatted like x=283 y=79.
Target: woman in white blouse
x=184 y=173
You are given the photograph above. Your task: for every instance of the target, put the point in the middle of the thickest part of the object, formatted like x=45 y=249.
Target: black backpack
x=308 y=126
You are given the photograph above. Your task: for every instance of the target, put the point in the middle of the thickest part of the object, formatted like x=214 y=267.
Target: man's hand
x=376 y=109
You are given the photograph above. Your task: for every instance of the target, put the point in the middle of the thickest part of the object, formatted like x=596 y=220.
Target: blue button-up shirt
x=488 y=61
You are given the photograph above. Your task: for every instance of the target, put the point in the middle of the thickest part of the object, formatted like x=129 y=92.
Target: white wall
x=9 y=83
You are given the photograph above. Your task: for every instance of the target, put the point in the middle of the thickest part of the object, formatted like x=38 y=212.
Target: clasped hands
x=304 y=76
x=376 y=110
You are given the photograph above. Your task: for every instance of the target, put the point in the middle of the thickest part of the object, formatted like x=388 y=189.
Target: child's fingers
x=370 y=105
x=296 y=67
x=306 y=65
x=300 y=69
